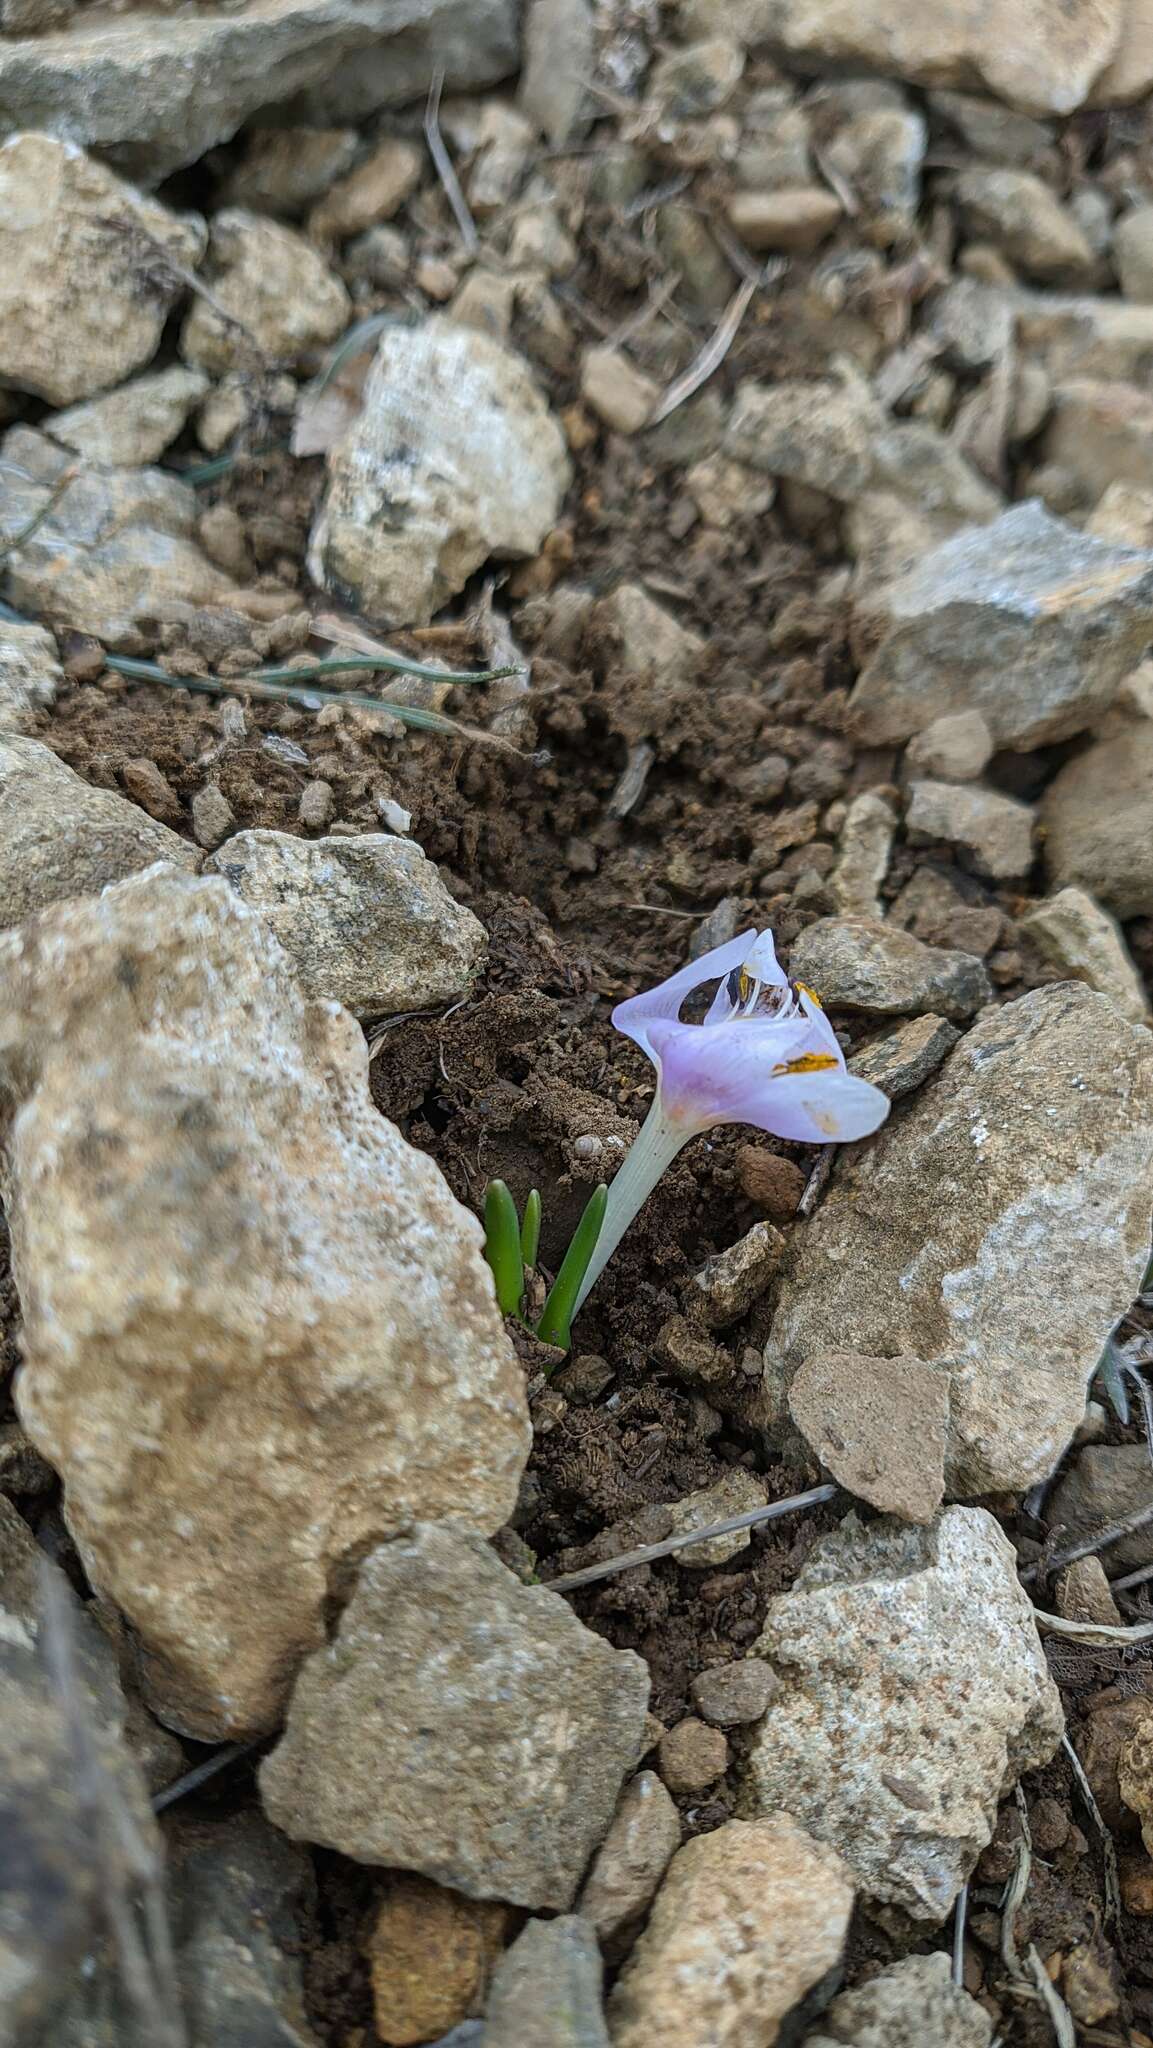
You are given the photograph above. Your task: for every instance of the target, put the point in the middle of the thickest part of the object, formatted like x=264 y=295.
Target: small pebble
x=729 y=1695
x=692 y=1756
x=148 y=787
x=775 y=1184
x=317 y=806
x=212 y=816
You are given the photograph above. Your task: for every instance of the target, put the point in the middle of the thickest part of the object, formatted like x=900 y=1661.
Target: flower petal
x=635 y=1014
x=761 y=961
x=823 y=1108
x=719 y=1073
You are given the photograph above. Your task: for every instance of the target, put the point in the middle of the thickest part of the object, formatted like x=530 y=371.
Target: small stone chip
x=731 y=1695
x=692 y=1757
x=905 y=1058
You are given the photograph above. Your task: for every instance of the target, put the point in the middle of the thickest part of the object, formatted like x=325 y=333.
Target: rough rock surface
x=430 y=1954
x=114 y=549
x=631 y=1861
x=912 y=2003
x=876 y=1747
x=365 y=919
x=997 y=1230
x=454 y=457
x=737 y=1493
x=73 y=240
x=278 y=294
x=61 y=836
x=1098 y=819
x=133 y=426
x=54 y=1873
x=1043 y=58
x=879 y=1425
x=158 y=90
x=993 y=833
x=1088 y=945
x=1107 y=1484
x=30 y=675
x=253 y=1315
x=816 y=434
x=747 y=1919
x=955 y=748
x=547 y=1989
x=904 y=1058
x=460 y=1724
x=1025 y=620
x=859 y=963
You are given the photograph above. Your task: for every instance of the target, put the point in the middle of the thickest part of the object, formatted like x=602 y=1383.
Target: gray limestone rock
x=861 y=963
x=547 y=1989
x=1098 y=820
x=912 y=2003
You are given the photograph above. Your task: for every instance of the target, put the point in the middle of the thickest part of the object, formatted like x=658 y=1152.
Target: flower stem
x=653 y=1150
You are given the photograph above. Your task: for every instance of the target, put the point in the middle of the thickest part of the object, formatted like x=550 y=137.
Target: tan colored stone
x=259 y=1333
x=794 y=218
x=282 y=300
x=431 y=1953
x=373 y=192
x=619 y=394
x=75 y=245
x=631 y=1861
x=1130 y=74
x=692 y=1756
x=1088 y=945
x=1081 y=1593
x=879 y=1425
x=747 y=1919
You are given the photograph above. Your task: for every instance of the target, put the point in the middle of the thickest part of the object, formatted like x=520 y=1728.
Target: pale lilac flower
x=764 y=1054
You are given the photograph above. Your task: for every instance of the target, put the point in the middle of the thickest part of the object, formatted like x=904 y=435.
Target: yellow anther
x=808 y=1063
x=811 y=993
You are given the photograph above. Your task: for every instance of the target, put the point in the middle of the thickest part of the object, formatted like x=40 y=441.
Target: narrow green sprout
x=555 y=1325
x=502 y=1246
x=530 y=1228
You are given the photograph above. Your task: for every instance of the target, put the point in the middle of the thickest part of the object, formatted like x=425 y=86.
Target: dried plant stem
x=1100 y=1540
x=650 y=1552
x=1108 y=1847
x=445 y=169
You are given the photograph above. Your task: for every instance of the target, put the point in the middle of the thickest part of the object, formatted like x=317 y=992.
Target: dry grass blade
x=1064 y=2032
x=1015 y=1891
x=1108 y=1848
x=711 y=356
x=1093 y=1631
x=445 y=169
x=10 y=541
x=1099 y=1540
x=650 y=1552
x=959 y=1917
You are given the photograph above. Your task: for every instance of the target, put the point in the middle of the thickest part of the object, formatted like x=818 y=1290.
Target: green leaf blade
x=555 y=1326
x=502 y=1246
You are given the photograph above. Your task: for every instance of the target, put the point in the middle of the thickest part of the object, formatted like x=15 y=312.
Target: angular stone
x=372 y=193
x=1124 y=514
x=430 y=1954
x=867 y=1645
x=366 y=920
x=731 y=1695
x=956 y=748
x=459 y=1724
x=1101 y=434
x=737 y=1493
x=912 y=2003
x=30 y=675
x=157 y=90
x=559 y=57
x=619 y=394
x=861 y=963
x=879 y=1425
x=631 y=1861
x=454 y=457
x=61 y=837
x=1107 y=1484
x=75 y=245
x=864 y=848
x=134 y=425
x=1098 y=819
x=645 y=638
x=994 y=832
x=796 y=218
x=1023 y=218
x=213 y=817
x=1133 y=253
x=285 y=170
x=242 y=1899
x=879 y=152
x=113 y=551
x=1035 y=54
x=997 y=1230
x=547 y=1989
x=728 y=1284
x=253 y=1315
x=906 y=1057
x=277 y=292
x=1074 y=933
x=748 y=1918
x=56 y=1868
x=1025 y=620
x=819 y=434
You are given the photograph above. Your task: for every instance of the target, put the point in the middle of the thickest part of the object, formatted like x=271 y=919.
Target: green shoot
x=555 y=1324
x=530 y=1228
x=502 y=1246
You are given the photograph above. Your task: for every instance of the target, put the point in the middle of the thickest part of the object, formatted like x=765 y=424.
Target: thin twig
x=710 y=357
x=817 y=1182
x=959 y=1916
x=133 y=230
x=16 y=540
x=1138 y=1578
x=1100 y=1540
x=445 y=169
x=1108 y=1847
x=1015 y=1891
x=650 y=1552
x=1093 y=1631
x=1061 y=2018
x=191 y=1781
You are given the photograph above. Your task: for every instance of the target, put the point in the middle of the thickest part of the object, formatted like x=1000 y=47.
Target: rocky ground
x=764 y=387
